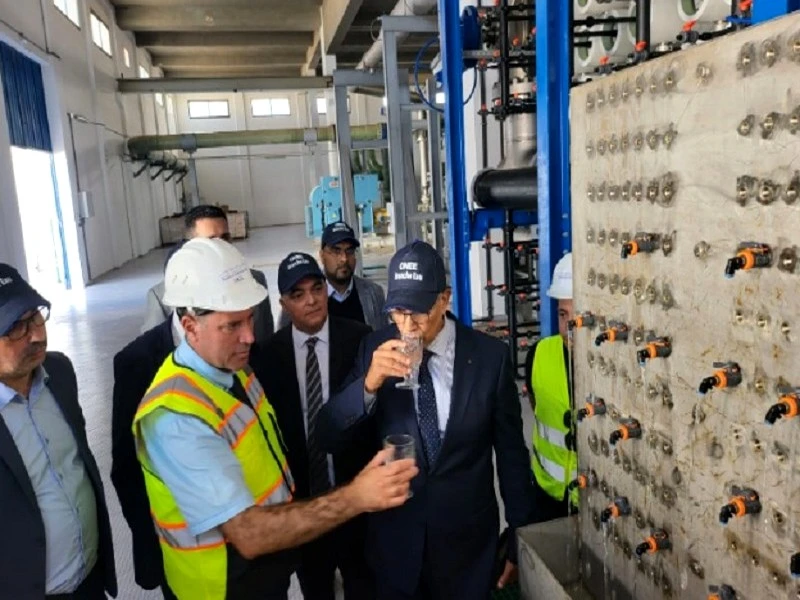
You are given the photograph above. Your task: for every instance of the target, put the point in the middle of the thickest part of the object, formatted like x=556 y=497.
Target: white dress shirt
x=323 y=349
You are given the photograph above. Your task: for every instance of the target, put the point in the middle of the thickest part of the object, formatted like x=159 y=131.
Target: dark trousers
x=91 y=588
x=342 y=548
x=547 y=507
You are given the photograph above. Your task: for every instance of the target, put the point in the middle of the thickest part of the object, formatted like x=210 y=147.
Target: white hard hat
x=561 y=286
x=212 y=275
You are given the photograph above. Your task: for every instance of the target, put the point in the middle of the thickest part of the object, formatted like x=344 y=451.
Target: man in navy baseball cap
x=17 y=297
x=296 y=267
x=338 y=232
x=417 y=279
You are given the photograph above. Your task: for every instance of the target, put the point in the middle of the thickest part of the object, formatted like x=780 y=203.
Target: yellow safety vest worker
x=553 y=463
x=196 y=567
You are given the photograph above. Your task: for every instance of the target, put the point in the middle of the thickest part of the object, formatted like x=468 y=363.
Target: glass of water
x=402 y=446
x=412 y=348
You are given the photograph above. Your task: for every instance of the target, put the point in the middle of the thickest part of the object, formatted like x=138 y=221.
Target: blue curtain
x=26 y=110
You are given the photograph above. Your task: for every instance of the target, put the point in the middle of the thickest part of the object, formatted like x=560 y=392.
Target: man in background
x=206 y=221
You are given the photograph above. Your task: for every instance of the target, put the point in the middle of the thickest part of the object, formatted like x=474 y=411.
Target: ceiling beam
x=176 y=83
x=298 y=15
x=221 y=61
x=337 y=17
x=313 y=54
x=192 y=41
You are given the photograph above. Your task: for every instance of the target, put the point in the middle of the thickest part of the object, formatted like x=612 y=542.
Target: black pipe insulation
x=509 y=189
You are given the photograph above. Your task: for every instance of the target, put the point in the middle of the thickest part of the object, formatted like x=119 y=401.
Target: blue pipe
x=455 y=172
x=553 y=35
x=764 y=10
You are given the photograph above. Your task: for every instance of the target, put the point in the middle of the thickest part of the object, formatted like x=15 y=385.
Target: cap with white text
x=296 y=267
x=416 y=278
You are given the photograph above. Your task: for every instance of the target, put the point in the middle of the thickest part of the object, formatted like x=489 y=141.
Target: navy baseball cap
x=416 y=278
x=294 y=268
x=16 y=298
x=338 y=232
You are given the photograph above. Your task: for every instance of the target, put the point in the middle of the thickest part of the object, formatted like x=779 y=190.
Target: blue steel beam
x=764 y=10
x=553 y=34
x=455 y=172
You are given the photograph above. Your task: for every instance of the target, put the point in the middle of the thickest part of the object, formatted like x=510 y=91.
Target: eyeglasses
x=399 y=316
x=22 y=328
x=339 y=252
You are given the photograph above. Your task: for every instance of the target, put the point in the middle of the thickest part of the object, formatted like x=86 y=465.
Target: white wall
x=80 y=79
x=272 y=182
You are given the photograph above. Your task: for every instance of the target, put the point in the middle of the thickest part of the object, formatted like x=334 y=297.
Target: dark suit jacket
x=275 y=369
x=22 y=538
x=135 y=366
x=452 y=518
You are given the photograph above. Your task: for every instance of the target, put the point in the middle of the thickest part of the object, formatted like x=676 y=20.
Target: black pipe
x=511 y=285
x=604 y=33
x=643 y=22
x=590 y=21
x=484 y=164
x=510 y=189
x=505 y=82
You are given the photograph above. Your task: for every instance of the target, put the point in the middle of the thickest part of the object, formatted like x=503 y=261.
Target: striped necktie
x=318 y=478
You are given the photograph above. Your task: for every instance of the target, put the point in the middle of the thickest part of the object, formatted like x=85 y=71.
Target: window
x=126 y=57
x=439 y=99
x=271 y=107
x=69 y=8
x=159 y=98
x=209 y=109
x=322 y=106
x=100 y=34
x=143 y=73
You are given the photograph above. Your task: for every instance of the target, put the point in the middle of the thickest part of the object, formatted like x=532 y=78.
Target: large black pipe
x=643 y=22
x=509 y=189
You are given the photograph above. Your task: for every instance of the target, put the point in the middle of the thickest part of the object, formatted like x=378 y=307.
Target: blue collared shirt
x=63 y=490
x=341 y=297
x=196 y=464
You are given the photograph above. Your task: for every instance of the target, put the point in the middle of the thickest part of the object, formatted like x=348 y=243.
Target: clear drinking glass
x=402 y=446
x=412 y=347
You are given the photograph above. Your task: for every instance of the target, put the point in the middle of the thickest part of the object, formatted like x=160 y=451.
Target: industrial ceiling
x=257 y=38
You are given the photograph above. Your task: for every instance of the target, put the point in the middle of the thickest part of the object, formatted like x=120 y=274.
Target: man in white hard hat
x=554 y=461
x=213 y=457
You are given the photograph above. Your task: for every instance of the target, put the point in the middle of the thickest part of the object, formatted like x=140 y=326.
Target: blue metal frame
x=764 y=10
x=455 y=172
x=553 y=37
x=481 y=221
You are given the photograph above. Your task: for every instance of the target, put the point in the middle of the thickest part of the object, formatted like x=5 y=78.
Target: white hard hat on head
x=212 y=275
x=561 y=286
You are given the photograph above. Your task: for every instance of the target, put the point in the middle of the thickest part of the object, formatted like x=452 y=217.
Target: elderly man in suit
x=442 y=543
x=301 y=366
x=55 y=536
x=207 y=221
x=349 y=296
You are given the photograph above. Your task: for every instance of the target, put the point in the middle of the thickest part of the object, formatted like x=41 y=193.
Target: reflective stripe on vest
x=196 y=566
x=553 y=464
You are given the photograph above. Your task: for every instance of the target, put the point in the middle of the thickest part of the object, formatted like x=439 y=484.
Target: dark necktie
x=426 y=410
x=318 y=478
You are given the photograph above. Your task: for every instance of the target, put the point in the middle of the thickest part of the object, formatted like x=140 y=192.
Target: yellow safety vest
x=554 y=465
x=196 y=566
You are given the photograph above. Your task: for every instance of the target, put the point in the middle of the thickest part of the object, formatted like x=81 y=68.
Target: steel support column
x=455 y=171
x=553 y=33
x=435 y=169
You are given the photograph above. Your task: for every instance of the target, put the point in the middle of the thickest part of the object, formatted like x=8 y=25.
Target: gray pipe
x=373 y=56
x=139 y=147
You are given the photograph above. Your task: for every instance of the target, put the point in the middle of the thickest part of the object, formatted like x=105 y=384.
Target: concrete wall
x=80 y=80
x=271 y=182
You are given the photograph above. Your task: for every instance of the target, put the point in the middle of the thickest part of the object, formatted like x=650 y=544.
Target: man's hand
x=509 y=575
x=387 y=361
x=380 y=485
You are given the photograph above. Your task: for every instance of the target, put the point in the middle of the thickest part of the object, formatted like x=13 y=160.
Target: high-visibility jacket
x=554 y=463
x=196 y=567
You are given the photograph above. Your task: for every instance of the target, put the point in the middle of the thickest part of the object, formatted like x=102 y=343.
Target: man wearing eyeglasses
x=55 y=536
x=206 y=221
x=349 y=296
x=442 y=543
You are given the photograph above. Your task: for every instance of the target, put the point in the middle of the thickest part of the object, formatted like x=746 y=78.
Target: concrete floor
x=92 y=325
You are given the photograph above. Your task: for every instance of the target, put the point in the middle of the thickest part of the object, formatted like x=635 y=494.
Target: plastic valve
x=594 y=406
x=657 y=347
x=582 y=320
x=585 y=479
x=642 y=242
x=721 y=592
x=787 y=407
x=628 y=429
x=728 y=375
x=658 y=541
x=615 y=332
x=749 y=255
x=744 y=502
x=620 y=507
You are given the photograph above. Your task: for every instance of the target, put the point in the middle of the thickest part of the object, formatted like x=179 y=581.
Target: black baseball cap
x=416 y=278
x=338 y=232
x=296 y=267
x=16 y=298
